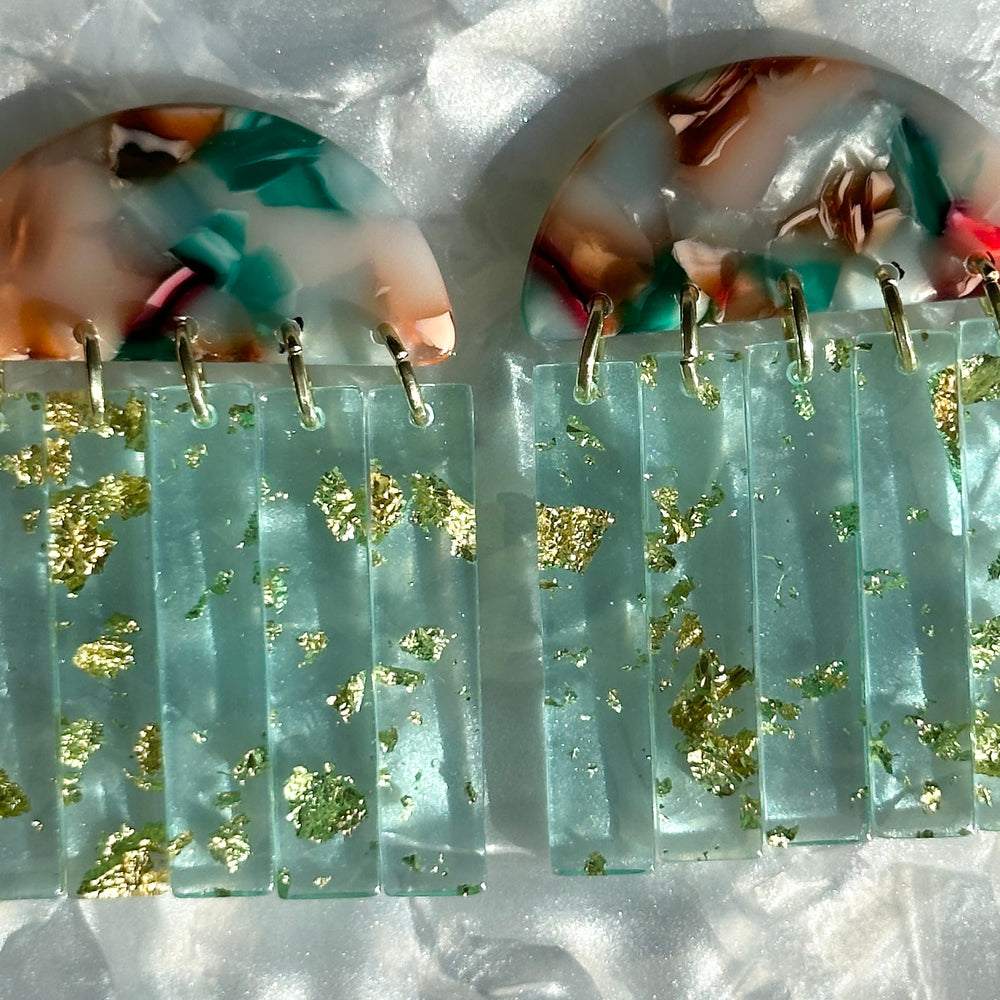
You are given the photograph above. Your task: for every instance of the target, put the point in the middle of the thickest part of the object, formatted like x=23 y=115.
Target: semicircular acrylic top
x=733 y=176
x=236 y=218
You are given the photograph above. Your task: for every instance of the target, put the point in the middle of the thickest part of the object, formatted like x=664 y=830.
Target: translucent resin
x=806 y=628
x=595 y=648
x=424 y=590
x=210 y=591
x=913 y=588
x=30 y=850
x=314 y=540
x=979 y=417
x=697 y=520
x=105 y=637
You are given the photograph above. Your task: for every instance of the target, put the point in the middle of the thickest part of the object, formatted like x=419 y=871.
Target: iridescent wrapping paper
x=472 y=111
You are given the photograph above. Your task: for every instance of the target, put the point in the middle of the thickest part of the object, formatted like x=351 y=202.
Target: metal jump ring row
x=289 y=335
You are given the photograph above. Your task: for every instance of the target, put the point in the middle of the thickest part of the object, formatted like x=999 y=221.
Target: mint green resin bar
x=314 y=553
x=30 y=848
x=595 y=648
x=105 y=639
x=205 y=483
x=913 y=590
x=425 y=612
x=980 y=441
x=699 y=592
x=806 y=617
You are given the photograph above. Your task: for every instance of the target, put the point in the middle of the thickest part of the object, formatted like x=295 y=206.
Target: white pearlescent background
x=472 y=111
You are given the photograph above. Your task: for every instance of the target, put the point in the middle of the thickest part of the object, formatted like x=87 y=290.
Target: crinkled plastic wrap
x=472 y=111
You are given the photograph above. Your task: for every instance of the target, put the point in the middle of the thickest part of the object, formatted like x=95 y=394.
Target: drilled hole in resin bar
x=424 y=588
x=211 y=593
x=979 y=416
x=913 y=587
x=105 y=639
x=595 y=650
x=699 y=602
x=807 y=640
x=30 y=802
x=314 y=559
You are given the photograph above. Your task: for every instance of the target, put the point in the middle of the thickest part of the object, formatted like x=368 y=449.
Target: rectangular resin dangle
x=30 y=855
x=105 y=636
x=979 y=416
x=209 y=588
x=699 y=598
x=913 y=588
x=806 y=630
x=424 y=589
x=595 y=650
x=314 y=552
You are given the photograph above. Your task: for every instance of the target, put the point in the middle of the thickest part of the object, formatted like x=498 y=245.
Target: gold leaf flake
x=132 y=863
x=388 y=738
x=241 y=418
x=26 y=466
x=342 y=506
x=80 y=543
x=195 y=454
x=58 y=459
x=781 y=836
x=985 y=644
x=105 y=657
x=13 y=799
x=437 y=505
x=803 y=404
x=595 y=864
x=348 y=700
x=930 y=798
x=250 y=765
x=323 y=803
x=689 y=632
x=824 y=679
x=398 y=677
x=275 y=589
x=838 y=353
x=230 y=844
x=30 y=521
x=845 y=521
x=426 y=642
x=387 y=502
x=148 y=753
x=569 y=537
x=648 y=368
x=986 y=741
x=313 y=643
x=580 y=434
x=614 y=701
x=79 y=740
x=946 y=741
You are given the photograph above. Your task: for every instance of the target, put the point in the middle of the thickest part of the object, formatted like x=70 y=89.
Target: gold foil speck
x=132 y=863
x=749 y=813
x=986 y=742
x=195 y=454
x=648 y=368
x=577 y=657
x=878 y=582
x=388 y=738
x=387 y=502
x=824 y=679
x=781 y=836
x=275 y=589
x=79 y=740
x=595 y=864
x=569 y=537
x=313 y=643
x=398 y=676
x=415 y=717
x=838 y=353
x=13 y=799
x=614 y=701
x=771 y=711
x=148 y=753
x=343 y=507
x=323 y=803
x=930 y=798
x=272 y=631
x=119 y=624
x=228 y=800
x=105 y=657
x=945 y=741
x=879 y=749
x=348 y=700
x=30 y=521
x=470 y=793
x=241 y=418
x=80 y=543
x=409 y=803
x=580 y=434
x=437 y=505
x=69 y=414
x=845 y=521
x=252 y=763
x=468 y=889
x=26 y=466
x=985 y=644
x=803 y=404
x=426 y=642
x=229 y=844
x=689 y=633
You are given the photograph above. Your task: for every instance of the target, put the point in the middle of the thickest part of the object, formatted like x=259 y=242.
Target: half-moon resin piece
x=735 y=175
x=234 y=217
